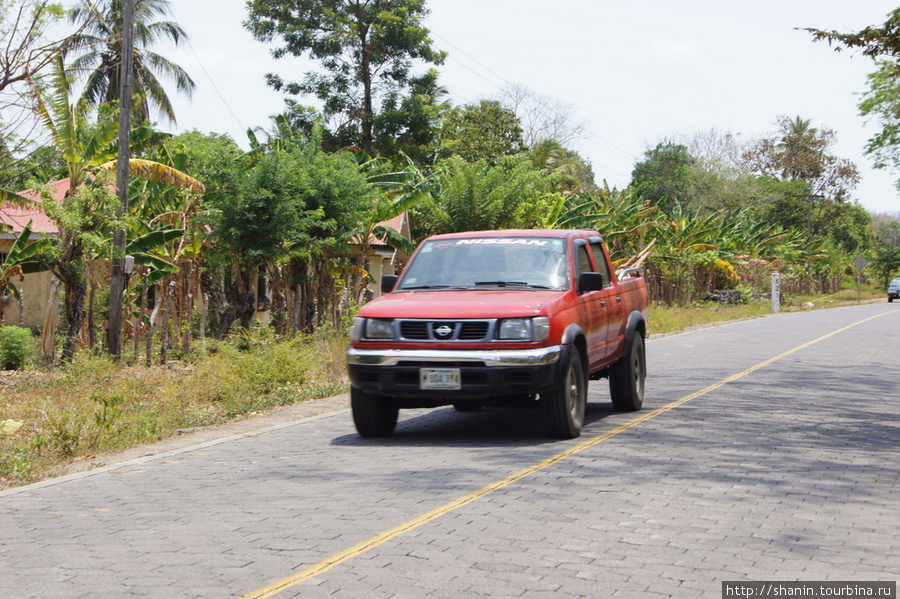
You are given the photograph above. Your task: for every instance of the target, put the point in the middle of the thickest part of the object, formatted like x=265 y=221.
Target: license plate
x=439 y=378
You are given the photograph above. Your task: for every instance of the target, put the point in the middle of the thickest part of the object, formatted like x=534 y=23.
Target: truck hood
x=462 y=304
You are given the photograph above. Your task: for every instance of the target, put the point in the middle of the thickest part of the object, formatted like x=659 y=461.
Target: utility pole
x=117 y=277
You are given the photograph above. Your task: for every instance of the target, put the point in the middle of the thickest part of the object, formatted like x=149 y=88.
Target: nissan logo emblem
x=443 y=331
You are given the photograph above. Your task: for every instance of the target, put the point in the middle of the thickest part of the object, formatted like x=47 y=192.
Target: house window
x=3 y=256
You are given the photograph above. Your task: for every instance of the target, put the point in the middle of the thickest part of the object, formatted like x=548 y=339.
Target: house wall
x=381 y=262
x=28 y=312
x=35 y=292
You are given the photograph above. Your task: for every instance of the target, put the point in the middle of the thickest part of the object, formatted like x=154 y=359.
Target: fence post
x=776 y=292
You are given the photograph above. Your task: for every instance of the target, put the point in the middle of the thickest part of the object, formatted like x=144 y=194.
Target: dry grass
x=93 y=406
x=670 y=319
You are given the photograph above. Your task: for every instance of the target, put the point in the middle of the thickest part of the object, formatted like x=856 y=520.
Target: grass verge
x=93 y=406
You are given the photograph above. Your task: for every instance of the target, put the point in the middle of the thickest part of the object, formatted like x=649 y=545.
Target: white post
x=776 y=293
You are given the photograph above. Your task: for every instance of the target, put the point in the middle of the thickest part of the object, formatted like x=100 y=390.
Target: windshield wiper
x=414 y=287
x=510 y=284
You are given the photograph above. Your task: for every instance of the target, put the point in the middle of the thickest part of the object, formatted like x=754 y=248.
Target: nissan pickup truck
x=500 y=318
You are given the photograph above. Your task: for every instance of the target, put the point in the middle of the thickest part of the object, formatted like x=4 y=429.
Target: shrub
x=15 y=343
x=726 y=276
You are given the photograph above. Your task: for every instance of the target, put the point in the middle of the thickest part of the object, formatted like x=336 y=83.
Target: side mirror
x=388 y=282
x=590 y=281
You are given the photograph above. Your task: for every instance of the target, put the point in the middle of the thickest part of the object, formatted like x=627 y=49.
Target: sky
x=635 y=72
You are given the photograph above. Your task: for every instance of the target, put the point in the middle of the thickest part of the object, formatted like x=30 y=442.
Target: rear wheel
x=374 y=415
x=563 y=408
x=626 y=378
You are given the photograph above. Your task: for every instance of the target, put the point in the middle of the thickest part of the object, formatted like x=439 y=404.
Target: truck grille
x=445 y=330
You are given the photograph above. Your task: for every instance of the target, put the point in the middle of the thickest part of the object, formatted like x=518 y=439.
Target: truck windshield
x=489 y=262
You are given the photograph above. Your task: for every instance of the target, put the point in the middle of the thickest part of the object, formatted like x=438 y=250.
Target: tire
x=373 y=415
x=890 y=300
x=626 y=378
x=563 y=408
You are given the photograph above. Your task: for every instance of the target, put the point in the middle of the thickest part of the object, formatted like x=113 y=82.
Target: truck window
x=584 y=261
x=600 y=260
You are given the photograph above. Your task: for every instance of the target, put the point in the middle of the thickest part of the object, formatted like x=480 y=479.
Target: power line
x=589 y=135
x=213 y=83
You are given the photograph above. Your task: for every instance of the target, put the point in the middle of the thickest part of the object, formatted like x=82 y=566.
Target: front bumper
x=484 y=374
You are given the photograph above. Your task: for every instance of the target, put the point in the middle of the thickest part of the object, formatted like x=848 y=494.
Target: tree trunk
x=48 y=344
x=226 y=304
x=279 y=305
x=366 y=72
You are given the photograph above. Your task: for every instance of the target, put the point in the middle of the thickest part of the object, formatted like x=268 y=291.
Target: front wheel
x=373 y=415
x=626 y=378
x=563 y=408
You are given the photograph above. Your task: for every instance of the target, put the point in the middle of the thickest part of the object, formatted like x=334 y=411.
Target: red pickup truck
x=500 y=318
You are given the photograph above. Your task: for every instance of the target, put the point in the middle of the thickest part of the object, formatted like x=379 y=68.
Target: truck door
x=611 y=301
x=593 y=308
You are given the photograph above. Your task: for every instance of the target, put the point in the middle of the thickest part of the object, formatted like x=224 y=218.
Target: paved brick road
x=787 y=473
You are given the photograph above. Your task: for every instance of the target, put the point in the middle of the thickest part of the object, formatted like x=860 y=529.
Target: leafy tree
x=102 y=40
x=410 y=124
x=38 y=167
x=223 y=167
x=800 y=151
x=873 y=41
x=576 y=174
x=483 y=131
x=365 y=48
x=882 y=102
x=817 y=182
x=788 y=204
x=665 y=175
x=886 y=229
x=468 y=196
x=886 y=263
x=288 y=208
x=881 y=43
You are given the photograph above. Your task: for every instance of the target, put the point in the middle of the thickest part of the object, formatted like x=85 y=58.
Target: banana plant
x=88 y=149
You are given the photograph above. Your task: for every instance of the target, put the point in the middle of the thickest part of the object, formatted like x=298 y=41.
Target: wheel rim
x=573 y=396
x=637 y=368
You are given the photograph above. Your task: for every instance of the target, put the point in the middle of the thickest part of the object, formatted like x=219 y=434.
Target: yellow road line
x=379 y=539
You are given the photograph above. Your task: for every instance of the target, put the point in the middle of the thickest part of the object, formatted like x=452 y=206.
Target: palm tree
x=102 y=38
x=800 y=149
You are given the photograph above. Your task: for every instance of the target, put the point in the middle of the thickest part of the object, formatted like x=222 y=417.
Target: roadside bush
x=15 y=346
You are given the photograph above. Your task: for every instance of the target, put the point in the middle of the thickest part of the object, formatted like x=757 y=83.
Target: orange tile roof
x=17 y=217
x=395 y=223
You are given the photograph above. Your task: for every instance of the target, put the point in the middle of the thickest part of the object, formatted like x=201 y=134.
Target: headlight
x=525 y=329
x=379 y=329
x=515 y=329
x=356 y=329
x=541 y=326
